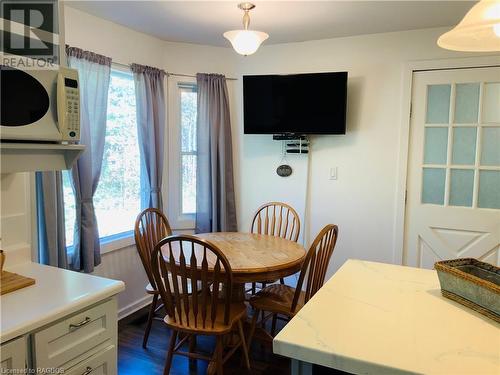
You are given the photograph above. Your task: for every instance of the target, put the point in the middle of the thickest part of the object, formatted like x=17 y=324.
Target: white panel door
x=453 y=184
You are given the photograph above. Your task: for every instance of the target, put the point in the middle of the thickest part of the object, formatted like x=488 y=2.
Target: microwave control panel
x=68 y=104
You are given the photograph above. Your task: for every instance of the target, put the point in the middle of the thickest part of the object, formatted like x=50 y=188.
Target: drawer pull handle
x=88 y=370
x=85 y=321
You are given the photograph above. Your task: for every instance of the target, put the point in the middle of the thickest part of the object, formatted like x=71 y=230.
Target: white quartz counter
x=56 y=293
x=375 y=318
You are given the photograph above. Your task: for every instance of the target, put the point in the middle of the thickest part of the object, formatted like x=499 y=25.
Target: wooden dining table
x=256 y=257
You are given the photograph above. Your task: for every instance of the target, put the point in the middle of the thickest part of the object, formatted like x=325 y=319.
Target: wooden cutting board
x=12 y=281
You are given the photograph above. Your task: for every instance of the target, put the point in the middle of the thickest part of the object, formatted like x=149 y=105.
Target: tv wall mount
x=289 y=137
x=290 y=144
x=293 y=143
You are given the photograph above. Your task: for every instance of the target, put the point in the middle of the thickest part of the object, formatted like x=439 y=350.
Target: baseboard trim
x=133 y=307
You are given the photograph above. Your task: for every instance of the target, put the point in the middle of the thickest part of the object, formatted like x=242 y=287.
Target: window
x=69 y=208
x=182 y=153
x=188 y=148
x=117 y=198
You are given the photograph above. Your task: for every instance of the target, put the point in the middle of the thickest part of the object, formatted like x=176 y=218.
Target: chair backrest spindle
x=150 y=227
x=200 y=264
x=316 y=264
x=276 y=219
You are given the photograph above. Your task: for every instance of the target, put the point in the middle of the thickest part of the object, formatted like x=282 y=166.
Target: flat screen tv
x=313 y=103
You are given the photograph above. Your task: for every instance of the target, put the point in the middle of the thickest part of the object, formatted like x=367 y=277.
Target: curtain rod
x=170 y=74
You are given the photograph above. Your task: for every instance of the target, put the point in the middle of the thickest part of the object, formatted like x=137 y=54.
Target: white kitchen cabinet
x=101 y=363
x=64 y=343
x=69 y=325
x=13 y=356
x=83 y=343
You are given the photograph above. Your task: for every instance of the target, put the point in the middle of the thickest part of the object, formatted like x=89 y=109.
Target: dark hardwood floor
x=134 y=360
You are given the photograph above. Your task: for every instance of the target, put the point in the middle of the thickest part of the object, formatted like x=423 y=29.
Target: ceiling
x=203 y=22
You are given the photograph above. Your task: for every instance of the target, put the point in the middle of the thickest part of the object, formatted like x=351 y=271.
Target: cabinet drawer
x=102 y=363
x=13 y=356
x=72 y=337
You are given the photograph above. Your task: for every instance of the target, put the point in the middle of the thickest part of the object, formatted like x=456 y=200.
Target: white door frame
x=404 y=135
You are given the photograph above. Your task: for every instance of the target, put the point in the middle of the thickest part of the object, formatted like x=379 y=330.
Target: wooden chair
x=150 y=227
x=276 y=219
x=209 y=309
x=284 y=300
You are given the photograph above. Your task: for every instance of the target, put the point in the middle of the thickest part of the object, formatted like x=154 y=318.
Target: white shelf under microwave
x=31 y=157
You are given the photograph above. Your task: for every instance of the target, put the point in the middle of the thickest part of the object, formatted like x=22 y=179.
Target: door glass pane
x=433 y=185
x=466 y=103
x=489 y=189
x=491 y=102
x=436 y=144
x=490 y=152
x=464 y=146
x=438 y=104
x=461 y=187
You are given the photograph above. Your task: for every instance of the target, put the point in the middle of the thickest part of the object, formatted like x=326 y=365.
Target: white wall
x=362 y=200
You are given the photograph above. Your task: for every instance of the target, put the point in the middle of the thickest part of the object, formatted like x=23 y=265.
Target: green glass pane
x=466 y=103
x=436 y=145
x=433 y=185
x=461 y=187
x=438 y=104
x=491 y=102
x=464 y=146
x=490 y=149
x=489 y=189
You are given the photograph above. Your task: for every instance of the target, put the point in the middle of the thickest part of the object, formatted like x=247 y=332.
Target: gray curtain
x=50 y=219
x=150 y=103
x=215 y=201
x=94 y=74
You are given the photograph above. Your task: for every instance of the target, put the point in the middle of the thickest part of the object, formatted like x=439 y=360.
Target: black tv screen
x=300 y=103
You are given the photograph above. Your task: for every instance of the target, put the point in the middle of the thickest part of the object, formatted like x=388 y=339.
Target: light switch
x=333 y=173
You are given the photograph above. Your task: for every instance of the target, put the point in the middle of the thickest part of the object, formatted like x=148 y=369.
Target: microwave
x=39 y=105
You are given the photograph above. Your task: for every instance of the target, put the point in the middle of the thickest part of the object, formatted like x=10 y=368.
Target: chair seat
x=151 y=290
x=237 y=312
x=277 y=298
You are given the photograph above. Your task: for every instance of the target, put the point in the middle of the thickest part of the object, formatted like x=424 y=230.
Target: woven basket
x=472 y=283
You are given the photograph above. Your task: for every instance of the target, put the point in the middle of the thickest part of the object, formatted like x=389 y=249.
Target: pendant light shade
x=246 y=42
x=479 y=30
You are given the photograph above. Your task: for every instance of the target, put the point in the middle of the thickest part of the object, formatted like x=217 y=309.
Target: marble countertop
x=56 y=293
x=375 y=318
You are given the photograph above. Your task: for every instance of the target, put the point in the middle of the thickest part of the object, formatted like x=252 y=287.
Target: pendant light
x=246 y=42
x=479 y=30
